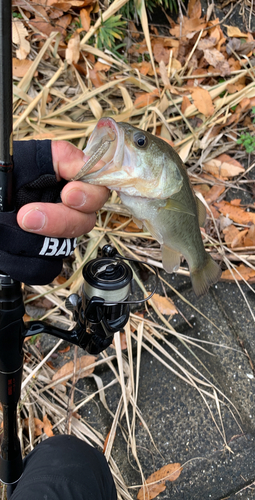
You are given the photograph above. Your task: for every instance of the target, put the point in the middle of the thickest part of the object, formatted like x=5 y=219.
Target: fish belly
x=176 y=231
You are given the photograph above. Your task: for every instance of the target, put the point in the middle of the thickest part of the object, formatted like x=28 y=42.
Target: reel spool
x=107 y=285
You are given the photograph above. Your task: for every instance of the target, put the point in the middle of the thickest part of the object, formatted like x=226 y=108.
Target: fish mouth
x=107 y=138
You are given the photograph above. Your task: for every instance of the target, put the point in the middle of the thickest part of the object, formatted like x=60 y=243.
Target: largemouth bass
x=152 y=182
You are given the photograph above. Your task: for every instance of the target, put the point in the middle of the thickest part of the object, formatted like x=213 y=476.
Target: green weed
x=247 y=141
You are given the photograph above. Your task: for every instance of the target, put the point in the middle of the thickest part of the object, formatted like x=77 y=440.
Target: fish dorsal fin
x=201 y=212
x=176 y=206
x=170 y=259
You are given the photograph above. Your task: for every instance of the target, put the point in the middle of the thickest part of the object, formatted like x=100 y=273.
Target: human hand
x=76 y=214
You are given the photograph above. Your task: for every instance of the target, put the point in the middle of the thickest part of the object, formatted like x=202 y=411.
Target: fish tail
x=205 y=276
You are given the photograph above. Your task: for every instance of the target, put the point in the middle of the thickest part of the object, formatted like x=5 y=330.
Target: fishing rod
x=102 y=309
x=11 y=303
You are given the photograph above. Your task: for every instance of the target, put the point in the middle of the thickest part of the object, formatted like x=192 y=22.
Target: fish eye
x=140 y=140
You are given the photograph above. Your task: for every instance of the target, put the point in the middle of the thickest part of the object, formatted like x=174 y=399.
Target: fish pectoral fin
x=201 y=212
x=170 y=259
x=155 y=231
x=176 y=206
x=137 y=222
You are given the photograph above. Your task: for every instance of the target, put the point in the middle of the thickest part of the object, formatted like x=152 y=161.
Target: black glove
x=28 y=257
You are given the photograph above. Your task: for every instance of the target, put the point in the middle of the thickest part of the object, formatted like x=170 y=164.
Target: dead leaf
x=66 y=349
x=47 y=426
x=19 y=33
x=249 y=240
x=99 y=66
x=246 y=273
x=38 y=426
x=163 y=73
x=207 y=43
x=21 y=66
x=85 y=18
x=96 y=78
x=194 y=9
x=155 y=483
x=68 y=368
x=238 y=240
x=202 y=188
x=224 y=166
x=189 y=27
x=146 y=99
x=185 y=104
x=164 y=304
x=214 y=193
x=198 y=81
x=161 y=53
x=59 y=280
x=235 y=213
x=234 y=31
x=73 y=49
x=230 y=232
x=133 y=29
x=216 y=59
x=144 y=67
x=202 y=101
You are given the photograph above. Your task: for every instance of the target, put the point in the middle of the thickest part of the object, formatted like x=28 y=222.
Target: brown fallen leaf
x=145 y=67
x=224 y=166
x=96 y=77
x=214 y=193
x=234 y=31
x=21 y=66
x=133 y=29
x=230 y=232
x=207 y=43
x=202 y=188
x=146 y=99
x=160 y=52
x=66 y=349
x=238 y=240
x=235 y=213
x=185 y=104
x=249 y=240
x=194 y=9
x=38 y=426
x=19 y=34
x=85 y=17
x=164 y=304
x=156 y=482
x=202 y=101
x=68 y=368
x=99 y=66
x=73 y=49
x=246 y=273
x=216 y=59
x=244 y=238
x=47 y=426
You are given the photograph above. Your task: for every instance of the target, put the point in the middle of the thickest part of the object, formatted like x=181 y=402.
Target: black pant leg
x=65 y=468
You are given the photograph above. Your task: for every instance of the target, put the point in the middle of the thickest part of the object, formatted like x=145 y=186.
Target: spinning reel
x=103 y=307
